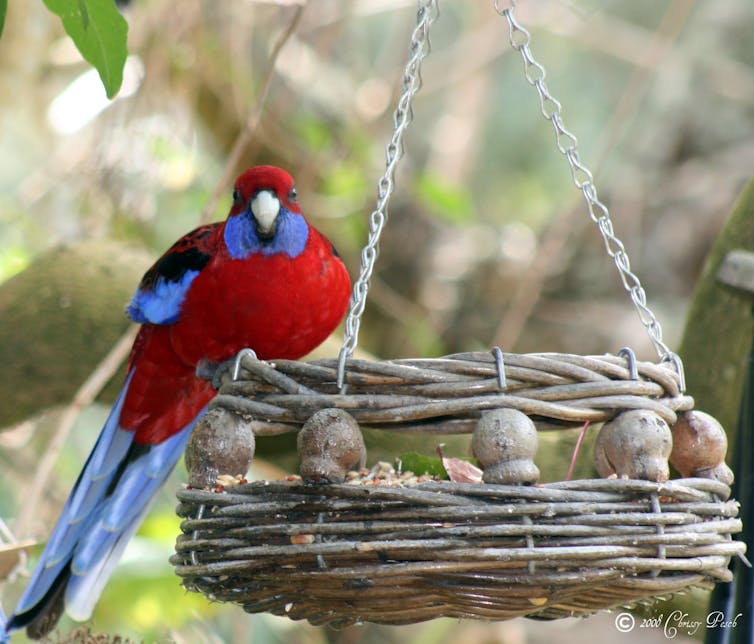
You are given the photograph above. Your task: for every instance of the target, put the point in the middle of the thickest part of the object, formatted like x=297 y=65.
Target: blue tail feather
x=67 y=533
x=3 y=622
x=140 y=481
x=105 y=508
x=101 y=473
x=97 y=556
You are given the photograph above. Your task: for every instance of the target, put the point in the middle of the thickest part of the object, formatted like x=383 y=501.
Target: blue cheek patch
x=162 y=304
x=290 y=237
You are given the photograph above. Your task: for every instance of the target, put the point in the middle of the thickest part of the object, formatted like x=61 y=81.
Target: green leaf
x=3 y=11
x=421 y=464
x=99 y=32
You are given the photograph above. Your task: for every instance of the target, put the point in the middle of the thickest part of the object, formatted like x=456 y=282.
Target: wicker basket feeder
x=341 y=554
x=338 y=550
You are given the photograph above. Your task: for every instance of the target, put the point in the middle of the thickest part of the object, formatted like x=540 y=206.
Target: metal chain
x=584 y=181
x=419 y=47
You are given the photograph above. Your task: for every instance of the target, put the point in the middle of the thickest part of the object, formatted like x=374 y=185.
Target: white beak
x=265 y=207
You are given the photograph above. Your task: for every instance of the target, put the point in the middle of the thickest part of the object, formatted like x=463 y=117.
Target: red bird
x=265 y=279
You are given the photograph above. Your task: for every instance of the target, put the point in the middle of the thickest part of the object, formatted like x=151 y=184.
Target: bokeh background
x=488 y=242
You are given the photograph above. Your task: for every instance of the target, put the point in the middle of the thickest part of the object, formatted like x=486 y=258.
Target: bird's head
x=265 y=216
x=262 y=193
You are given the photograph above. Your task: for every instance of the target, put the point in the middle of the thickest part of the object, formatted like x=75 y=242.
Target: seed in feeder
x=634 y=445
x=505 y=442
x=228 y=480
x=699 y=447
x=329 y=445
x=302 y=539
x=222 y=443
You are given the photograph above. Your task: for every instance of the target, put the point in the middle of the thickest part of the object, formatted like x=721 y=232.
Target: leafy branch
x=98 y=31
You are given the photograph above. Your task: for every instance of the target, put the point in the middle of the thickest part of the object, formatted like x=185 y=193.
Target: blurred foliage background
x=488 y=242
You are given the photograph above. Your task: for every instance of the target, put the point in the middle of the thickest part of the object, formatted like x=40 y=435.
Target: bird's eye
x=237 y=198
x=292 y=194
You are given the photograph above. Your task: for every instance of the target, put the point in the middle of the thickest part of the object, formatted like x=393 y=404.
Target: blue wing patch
x=162 y=303
x=163 y=288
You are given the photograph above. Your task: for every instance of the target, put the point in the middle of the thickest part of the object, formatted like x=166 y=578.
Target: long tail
x=106 y=506
x=4 y=638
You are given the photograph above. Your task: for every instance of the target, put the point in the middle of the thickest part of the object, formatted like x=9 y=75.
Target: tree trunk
x=58 y=319
x=718 y=333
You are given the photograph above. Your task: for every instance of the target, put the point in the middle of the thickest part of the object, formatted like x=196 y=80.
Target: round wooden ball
x=329 y=445
x=699 y=447
x=222 y=443
x=505 y=443
x=635 y=445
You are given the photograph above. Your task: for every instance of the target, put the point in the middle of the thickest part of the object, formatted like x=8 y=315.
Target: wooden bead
x=222 y=443
x=699 y=447
x=505 y=443
x=635 y=445
x=329 y=445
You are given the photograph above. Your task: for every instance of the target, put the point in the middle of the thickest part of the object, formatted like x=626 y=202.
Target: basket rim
x=447 y=394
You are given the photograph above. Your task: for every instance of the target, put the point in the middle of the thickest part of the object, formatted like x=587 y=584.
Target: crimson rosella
x=264 y=279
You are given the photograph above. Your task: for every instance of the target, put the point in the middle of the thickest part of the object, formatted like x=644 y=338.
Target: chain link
x=566 y=144
x=418 y=49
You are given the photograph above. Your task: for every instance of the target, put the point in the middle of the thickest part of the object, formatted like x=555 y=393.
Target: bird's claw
x=206 y=369
x=215 y=372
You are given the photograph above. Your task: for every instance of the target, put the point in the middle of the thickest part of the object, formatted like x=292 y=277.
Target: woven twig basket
x=342 y=554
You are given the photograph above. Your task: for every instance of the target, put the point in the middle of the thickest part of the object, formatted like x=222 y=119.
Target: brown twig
x=85 y=395
x=576 y=449
x=253 y=120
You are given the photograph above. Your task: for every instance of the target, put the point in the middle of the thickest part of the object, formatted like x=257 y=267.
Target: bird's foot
x=218 y=373
x=206 y=369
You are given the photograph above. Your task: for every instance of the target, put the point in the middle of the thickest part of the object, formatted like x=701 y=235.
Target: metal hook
x=239 y=357
x=500 y=364
x=195 y=535
x=630 y=356
x=321 y=563
x=342 y=357
x=659 y=529
x=675 y=359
